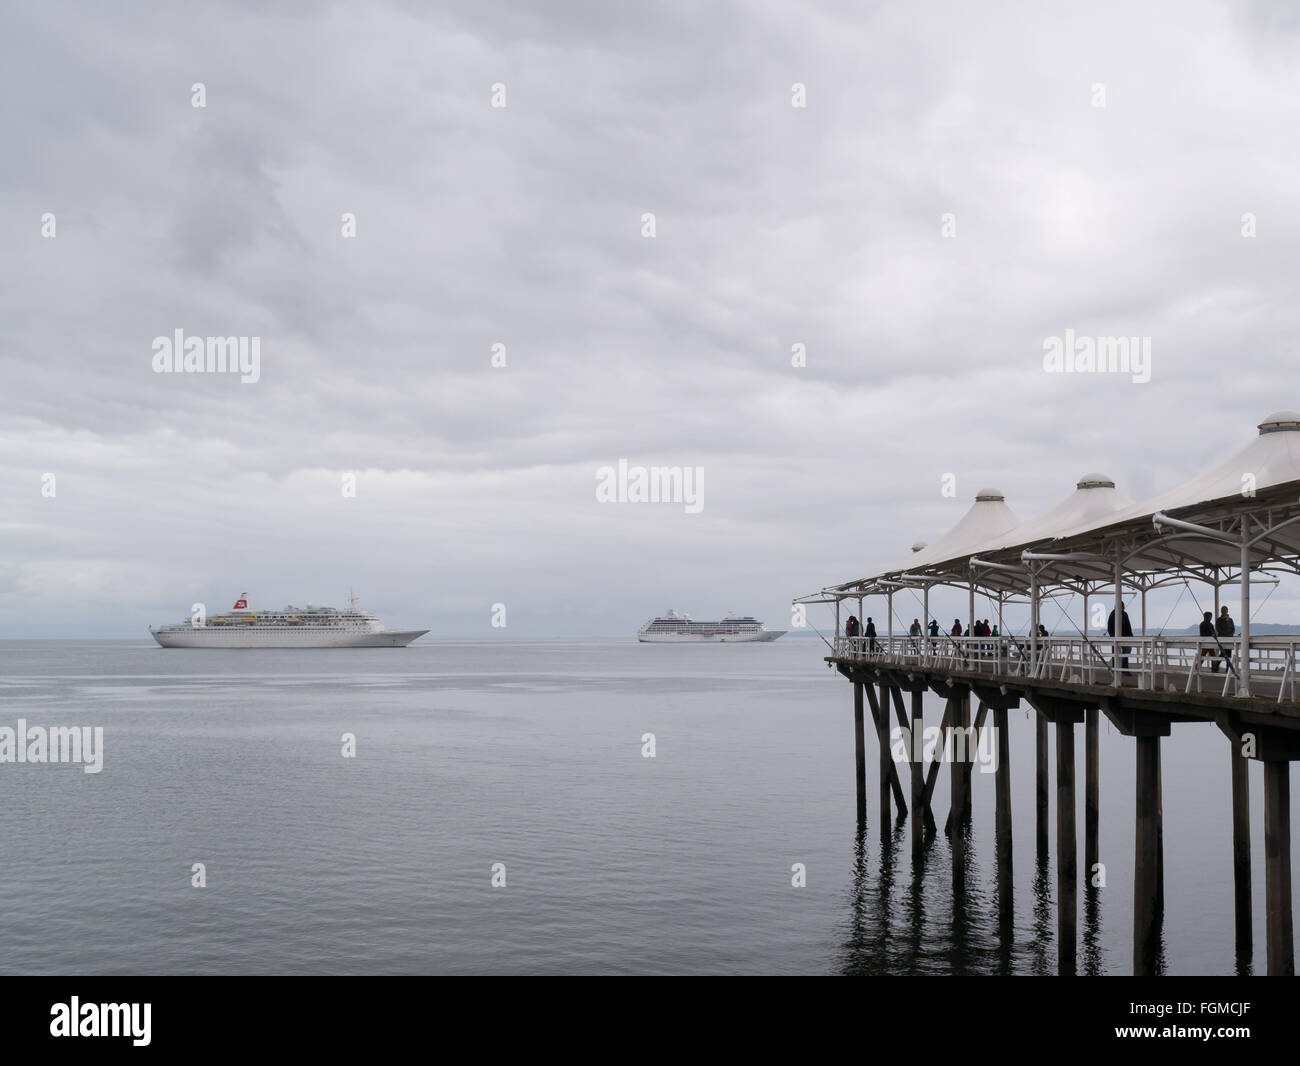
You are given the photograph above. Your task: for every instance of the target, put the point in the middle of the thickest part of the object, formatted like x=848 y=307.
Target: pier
x=1235 y=526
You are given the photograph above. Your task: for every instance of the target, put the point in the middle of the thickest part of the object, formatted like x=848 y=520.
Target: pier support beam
x=1067 y=850
x=860 y=737
x=957 y=801
x=1160 y=840
x=885 y=760
x=918 y=778
x=1276 y=749
x=1241 y=847
x=964 y=783
x=888 y=769
x=1002 y=818
x=969 y=762
x=1040 y=781
x=1092 y=794
x=909 y=727
x=1146 y=858
x=1148 y=879
x=1277 y=868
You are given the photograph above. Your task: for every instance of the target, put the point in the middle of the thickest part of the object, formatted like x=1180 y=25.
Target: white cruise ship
x=674 y=628
x=290 y=627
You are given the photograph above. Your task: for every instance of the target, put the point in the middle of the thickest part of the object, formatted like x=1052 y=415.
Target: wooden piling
x=957 y=794
x=888 y=768
x=1277 y=868
x=1002 y=817
x=1092 y=793
x=1160 y=840
x=967 y=763
x=918 y=780
x=1041 y=786
x=1241 y=848
x=923 y=812
x=1067 y=851
x=886 y=760
x=979 y=725
x=860 y=736
x=1146 y=858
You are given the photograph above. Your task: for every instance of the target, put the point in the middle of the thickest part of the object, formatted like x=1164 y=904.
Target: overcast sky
x=522 y=225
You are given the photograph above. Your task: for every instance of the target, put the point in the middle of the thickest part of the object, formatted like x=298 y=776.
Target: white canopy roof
x=988 y=518
x=1271 y=459
x=1095 y=501
x=1263 y=474
x=1095 y=513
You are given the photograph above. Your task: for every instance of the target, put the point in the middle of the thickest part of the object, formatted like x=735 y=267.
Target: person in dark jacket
x=1126 y=630
x=851 y=627
x=871 y=634
x=1207 y=630
x=1224 y=627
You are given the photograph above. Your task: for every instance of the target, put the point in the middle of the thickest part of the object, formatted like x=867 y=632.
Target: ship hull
x=251 y=637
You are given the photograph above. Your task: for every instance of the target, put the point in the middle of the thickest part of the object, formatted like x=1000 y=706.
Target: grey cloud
x=522 y=226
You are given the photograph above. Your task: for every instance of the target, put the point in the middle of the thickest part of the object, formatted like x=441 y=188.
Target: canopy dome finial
x=1280 y=422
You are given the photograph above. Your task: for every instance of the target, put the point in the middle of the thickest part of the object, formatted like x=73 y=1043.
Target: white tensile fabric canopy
x=1263 y=474
x=988 y=519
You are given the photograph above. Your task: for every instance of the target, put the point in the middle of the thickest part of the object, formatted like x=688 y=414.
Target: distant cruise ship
x=290 y=627
x=674 y=628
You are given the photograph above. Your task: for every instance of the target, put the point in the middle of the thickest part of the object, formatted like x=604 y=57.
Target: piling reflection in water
x=1093 y=962
x=949 y=908
x=929 y=924
x=1044 y=925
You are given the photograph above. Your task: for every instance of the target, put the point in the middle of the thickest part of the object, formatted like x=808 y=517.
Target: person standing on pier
x=1207 y=630
x=1224 y=626
x=934 y=631
x=851 y=627
x=914 y=632
x=1126 y=630
x=871 y=635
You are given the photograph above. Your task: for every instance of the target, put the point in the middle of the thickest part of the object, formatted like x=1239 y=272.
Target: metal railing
x=1162 y=664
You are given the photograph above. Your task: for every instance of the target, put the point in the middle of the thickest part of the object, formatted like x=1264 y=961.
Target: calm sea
x=530 y=755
